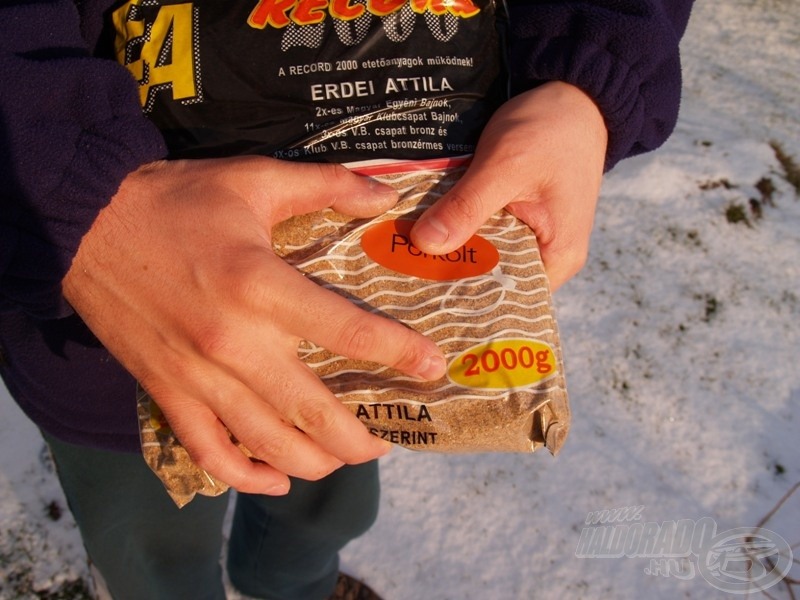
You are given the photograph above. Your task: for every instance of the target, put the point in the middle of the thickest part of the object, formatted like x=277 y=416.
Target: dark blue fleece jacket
x=71 y=128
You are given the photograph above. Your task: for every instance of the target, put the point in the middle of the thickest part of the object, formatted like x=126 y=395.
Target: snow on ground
x=681 y=340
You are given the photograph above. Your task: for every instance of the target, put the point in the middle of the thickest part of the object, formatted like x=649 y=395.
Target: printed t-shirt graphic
x=322 y=80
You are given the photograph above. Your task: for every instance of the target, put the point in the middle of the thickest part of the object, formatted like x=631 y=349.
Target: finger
x=281 y=412
x=298 y=428
x=278 y=303
x=305 y=431
x=286 y=189
x=334 y=322
x=210 y=447
x=563 y=239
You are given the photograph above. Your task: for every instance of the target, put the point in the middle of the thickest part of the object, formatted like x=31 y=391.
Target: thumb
x=482 y=191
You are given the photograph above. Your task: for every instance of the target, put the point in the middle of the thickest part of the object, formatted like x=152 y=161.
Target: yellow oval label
x=388 y=243
x=503 y=364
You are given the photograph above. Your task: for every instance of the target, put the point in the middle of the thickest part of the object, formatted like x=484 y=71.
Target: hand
x=178 y=279
x=541 y=157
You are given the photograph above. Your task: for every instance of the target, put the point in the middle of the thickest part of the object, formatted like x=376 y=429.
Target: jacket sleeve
x=623 y=53
x=71 y=129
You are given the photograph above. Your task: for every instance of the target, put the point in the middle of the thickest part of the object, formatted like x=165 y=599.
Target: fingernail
x=381 y=189
x=433 y=367
x=278 y=490
x=431 y=232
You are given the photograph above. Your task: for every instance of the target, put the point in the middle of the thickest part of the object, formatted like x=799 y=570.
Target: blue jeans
x=146 y=548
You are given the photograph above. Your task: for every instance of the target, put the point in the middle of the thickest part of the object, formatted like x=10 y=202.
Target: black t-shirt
x=321 y=80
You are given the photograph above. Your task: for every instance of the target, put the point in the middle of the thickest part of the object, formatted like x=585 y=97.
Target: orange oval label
x=388 y=243
x=503 y=364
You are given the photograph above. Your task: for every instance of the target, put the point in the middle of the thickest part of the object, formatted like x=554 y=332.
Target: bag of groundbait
x=487 y=306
